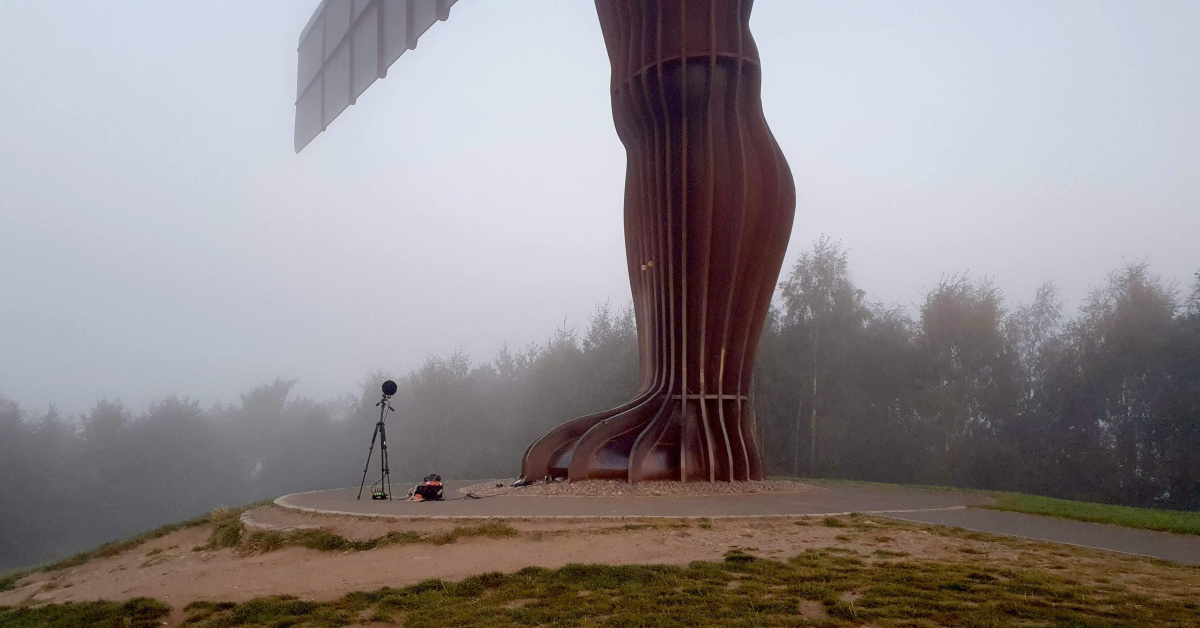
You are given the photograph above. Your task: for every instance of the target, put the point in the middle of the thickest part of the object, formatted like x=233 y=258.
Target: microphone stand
x=385 y=474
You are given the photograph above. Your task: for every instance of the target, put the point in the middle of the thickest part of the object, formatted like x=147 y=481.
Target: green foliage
x=971 y=392
x=136 y=613
x=8 y=581
x=327 y=541
x=767 y=593
x=227 y=528
x=263 y=541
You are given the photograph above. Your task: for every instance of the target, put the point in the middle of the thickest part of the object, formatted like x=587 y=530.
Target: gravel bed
x=608 y=488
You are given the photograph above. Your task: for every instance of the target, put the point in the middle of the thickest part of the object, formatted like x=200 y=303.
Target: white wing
x=346 y=45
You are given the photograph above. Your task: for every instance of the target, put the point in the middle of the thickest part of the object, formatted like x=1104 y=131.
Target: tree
x=1101 y=406
x=824 y=307
x=1131 y=322
x=968 y=379
x=1030 y=330
x=883 y=442
x=1193 y=301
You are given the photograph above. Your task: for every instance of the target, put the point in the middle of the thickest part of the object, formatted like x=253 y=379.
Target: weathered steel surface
x=345 y=46
x=709 y=203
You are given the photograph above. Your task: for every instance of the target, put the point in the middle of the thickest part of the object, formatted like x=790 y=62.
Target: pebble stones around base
x=611 y=488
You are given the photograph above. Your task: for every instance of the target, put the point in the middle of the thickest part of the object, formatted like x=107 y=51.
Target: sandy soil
x=177 y=574
x=172 y=569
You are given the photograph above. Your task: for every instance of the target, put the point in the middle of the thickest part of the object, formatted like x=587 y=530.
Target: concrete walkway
x=1182 y=548
x=922 y=506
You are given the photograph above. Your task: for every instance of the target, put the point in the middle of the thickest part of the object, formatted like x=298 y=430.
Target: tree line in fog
x=969 y=390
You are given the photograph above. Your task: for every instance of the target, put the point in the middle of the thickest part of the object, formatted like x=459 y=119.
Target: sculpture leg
x=709 y=203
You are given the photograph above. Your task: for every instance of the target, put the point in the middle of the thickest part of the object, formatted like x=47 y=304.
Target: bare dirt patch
x=812 y=609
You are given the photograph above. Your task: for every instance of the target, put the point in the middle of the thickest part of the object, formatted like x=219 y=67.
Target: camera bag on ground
x=430 y=490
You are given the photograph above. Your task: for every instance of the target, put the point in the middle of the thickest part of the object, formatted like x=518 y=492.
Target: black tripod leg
x=385 y=475
x=370 y=450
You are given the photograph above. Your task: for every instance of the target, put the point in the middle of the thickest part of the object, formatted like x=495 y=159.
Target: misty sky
x=158 y=235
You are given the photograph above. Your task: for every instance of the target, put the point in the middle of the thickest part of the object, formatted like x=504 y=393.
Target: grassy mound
x=227 y=531
x=136 y=613
x=823 y=587
x=326 y=541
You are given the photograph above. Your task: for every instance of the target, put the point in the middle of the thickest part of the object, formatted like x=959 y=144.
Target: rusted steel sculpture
x=709 y=202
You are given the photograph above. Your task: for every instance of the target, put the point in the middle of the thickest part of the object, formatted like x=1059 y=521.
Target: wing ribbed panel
x=345 y=46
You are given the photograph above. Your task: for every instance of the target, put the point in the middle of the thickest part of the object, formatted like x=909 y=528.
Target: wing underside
x=346 y=45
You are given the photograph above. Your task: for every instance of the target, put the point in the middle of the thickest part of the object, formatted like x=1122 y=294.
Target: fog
x=158 y=234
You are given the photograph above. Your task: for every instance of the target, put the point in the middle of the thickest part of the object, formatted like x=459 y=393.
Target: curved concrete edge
x=950 y=513
x=283 y=502
x=254 y=525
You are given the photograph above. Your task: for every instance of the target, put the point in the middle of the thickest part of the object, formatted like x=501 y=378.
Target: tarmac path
x=1182 y=548
x=947 y=508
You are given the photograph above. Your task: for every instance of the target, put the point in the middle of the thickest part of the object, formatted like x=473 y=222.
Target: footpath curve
x=947 y=508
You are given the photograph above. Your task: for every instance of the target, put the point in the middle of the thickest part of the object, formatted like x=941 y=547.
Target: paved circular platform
x=922 y=506
x=822 y=499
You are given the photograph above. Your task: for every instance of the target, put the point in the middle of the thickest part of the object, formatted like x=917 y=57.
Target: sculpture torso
x=709 y=203
x=643 y=35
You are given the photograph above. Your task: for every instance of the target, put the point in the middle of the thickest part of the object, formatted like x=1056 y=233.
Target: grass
x=828 y=588
x=227 y=528
x=325 y=541
x=136 y=613
x=490 y=529
x=1176 y=521
x=8 y=581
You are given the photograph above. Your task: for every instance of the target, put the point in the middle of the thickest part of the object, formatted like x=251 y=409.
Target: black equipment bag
x=431 y=490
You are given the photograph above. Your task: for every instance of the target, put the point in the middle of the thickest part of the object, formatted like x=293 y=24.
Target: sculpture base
x=655 y=437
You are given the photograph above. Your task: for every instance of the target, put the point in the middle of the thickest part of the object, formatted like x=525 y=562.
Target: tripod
x=385 y=474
